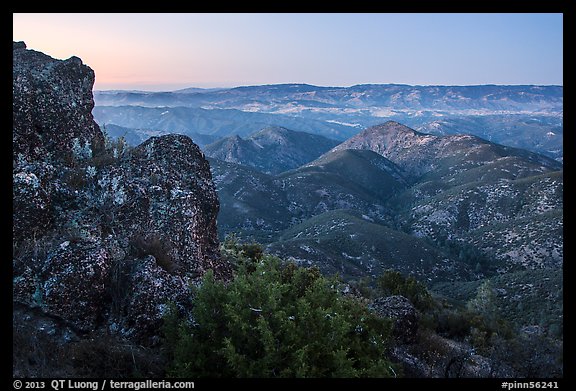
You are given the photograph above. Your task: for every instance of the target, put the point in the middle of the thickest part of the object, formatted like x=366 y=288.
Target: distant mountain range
x=528 y=117
x=215 y=122
x=279 y=97
x=292 y=160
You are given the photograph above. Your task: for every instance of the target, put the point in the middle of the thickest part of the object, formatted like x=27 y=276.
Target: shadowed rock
x=104 y=237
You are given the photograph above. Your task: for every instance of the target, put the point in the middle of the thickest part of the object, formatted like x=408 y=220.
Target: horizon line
x=328 y=86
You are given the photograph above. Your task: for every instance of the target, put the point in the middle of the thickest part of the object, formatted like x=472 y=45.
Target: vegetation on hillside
x=275 y=320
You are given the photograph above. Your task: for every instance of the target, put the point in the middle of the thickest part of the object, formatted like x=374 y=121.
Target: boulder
x=402 y=312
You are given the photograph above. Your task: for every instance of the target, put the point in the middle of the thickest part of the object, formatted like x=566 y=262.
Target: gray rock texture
x=104 y=236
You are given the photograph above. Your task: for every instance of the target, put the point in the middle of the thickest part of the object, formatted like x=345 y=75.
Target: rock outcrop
x=402 y=312
x=104 y=237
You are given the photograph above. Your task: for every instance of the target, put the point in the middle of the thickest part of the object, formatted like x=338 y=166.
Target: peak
x=75 y=60
x=272 y=134
x=276 y=129
x=19 y=45
x=389 y=128
x=393 y=125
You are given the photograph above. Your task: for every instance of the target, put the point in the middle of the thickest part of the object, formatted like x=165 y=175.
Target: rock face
x=104 y=236
x=52 y=126
x=52 y=107
x=402 y=312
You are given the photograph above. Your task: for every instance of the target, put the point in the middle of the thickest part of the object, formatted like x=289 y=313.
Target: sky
x=164 y=52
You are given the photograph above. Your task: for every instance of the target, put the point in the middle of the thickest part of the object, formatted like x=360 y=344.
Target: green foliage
x=236 y=252
x=478 y=322
x=392 y=282
x=470 y=255
x=274 y=321
x=534 y=356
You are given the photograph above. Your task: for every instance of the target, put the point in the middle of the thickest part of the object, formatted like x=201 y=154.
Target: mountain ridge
x=418 y=153
x=271 y=150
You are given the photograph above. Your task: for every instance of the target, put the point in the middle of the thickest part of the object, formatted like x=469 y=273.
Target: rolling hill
x=258 y=204
x=505 y=202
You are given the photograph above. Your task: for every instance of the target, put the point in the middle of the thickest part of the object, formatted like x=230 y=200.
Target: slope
x=349 y=243
x=260 y=205
x=271 y=150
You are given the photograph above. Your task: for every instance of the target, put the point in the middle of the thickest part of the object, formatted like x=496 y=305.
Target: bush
x=392 y=282
x=274 y=321
x=241 y=254
x=535 y=356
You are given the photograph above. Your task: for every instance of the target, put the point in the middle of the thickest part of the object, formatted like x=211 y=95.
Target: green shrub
x=392 y=282
x=274 y=321
x=241 y=254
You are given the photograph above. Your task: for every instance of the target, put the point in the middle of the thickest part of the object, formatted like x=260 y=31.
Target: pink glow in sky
x=171 y=51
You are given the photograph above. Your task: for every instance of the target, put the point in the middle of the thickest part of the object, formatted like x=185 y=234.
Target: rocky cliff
x=104 y=236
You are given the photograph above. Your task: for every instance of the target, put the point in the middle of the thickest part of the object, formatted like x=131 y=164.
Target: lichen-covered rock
x=165 y=190
x=70 y=284
x=31 y=204
x=37 y=339
x=52 y=130
x=87 y=210
x=402 y=312
x=73 y=284
x=142 y=307
x=52 y=107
